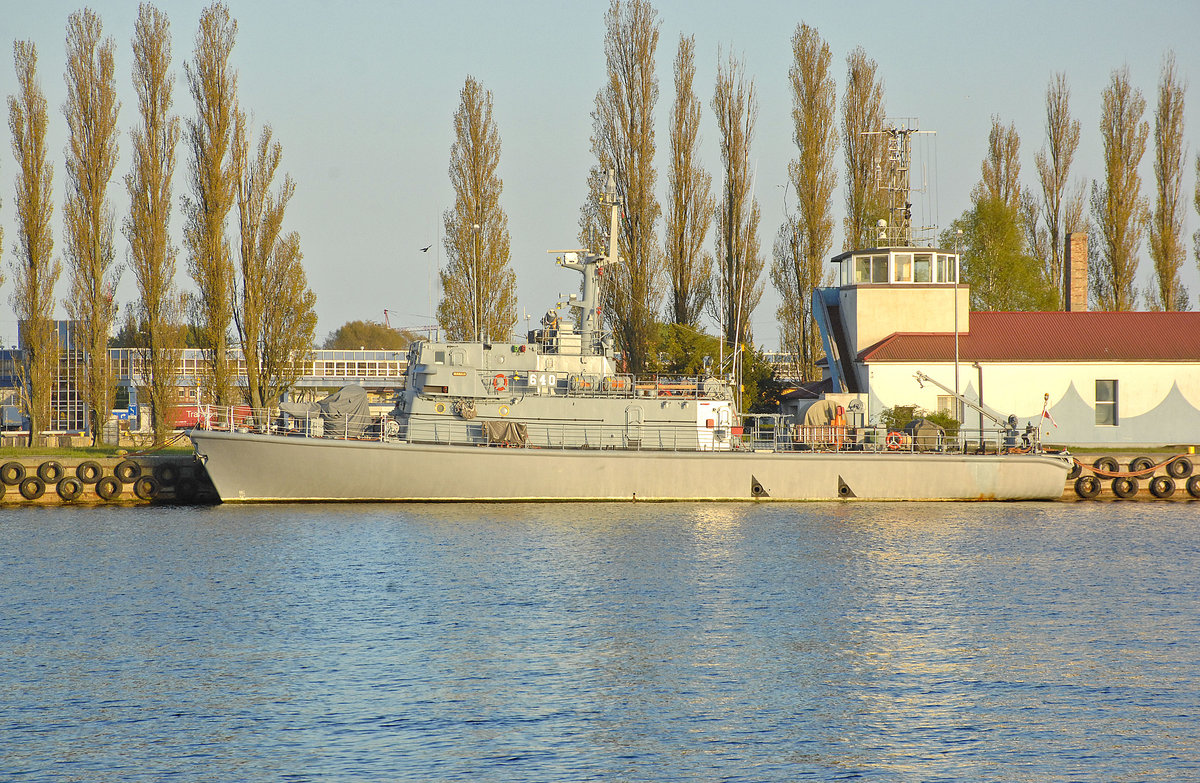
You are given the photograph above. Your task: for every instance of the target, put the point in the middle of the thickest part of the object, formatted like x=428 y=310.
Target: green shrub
x=894 y=418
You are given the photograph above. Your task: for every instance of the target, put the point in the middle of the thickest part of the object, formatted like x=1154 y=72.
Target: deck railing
x=770 y=432
x=757 y=433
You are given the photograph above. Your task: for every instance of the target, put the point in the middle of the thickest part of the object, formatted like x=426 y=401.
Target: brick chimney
x=1075 y=272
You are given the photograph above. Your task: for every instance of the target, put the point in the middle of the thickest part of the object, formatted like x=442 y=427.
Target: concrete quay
x=1134 y=477
x=174 y=479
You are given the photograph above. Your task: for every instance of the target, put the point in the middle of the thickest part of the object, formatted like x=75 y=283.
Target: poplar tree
x=151 y=255
x=209 y=139
x=1 y=246
x=1037 y=235
x=1167 y=249
x=91 y=111
x=739 y=263
x=1059 y=210
x=1117 y=203
x=1196 y=204
x=623 y=140
x=864 y=145
x=479 y=299
x=289 y=321
x=798 y=261
x=690 y=204
x=1000 y=177
x=274 y=310
x=35 y=270
x=996 y=258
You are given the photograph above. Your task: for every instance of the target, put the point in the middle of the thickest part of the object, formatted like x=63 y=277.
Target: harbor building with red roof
x=1087 y=378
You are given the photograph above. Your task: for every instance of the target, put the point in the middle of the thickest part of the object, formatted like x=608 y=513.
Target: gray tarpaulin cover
x=820 y=413
x=509 y=433
x=346 y=412
x=926 y=434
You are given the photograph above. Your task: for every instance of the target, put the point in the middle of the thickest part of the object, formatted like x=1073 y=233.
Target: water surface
x=639 y=642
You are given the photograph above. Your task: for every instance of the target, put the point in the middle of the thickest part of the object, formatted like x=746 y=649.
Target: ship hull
x=265 y=468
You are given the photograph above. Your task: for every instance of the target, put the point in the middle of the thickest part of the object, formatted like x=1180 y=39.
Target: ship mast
x=896 y=231
x=590 y=266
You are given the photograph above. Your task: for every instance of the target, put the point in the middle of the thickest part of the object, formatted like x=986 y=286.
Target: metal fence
x=764 y=432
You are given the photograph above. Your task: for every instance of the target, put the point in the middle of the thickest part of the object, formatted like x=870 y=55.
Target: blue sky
x=362 y=94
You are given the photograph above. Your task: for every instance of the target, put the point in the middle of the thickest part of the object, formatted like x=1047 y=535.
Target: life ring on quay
x=500 y=382
x=892 y=441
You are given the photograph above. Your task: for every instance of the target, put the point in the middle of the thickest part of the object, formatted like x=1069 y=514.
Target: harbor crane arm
x=922 y=378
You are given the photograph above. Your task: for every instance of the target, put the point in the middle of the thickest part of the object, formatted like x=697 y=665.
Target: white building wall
x=871 y=313
x=1157 y=403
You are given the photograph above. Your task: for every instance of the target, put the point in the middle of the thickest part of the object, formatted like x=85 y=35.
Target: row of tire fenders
x=51 y=474
x=1126 y=484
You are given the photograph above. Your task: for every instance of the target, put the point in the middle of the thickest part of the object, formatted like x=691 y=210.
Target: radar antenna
x=895 y=182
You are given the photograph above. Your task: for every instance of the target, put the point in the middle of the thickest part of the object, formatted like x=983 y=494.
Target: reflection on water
x=601 y=642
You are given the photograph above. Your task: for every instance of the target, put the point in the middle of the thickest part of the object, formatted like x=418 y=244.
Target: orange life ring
x=500 y=382
x=892 y=441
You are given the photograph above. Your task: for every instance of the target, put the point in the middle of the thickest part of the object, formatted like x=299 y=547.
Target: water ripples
x=601 y=642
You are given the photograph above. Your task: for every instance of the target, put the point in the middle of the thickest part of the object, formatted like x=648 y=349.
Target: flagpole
x=1046 y=412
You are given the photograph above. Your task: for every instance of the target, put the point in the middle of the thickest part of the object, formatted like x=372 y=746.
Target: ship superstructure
x=561 y=387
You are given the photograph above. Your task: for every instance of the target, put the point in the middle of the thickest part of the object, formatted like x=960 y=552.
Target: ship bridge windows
x=870 y=269
x=946 y=268
x=923 y=268
x=908 y=266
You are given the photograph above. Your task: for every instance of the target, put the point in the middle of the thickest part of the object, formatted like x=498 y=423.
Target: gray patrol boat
x=553 y=419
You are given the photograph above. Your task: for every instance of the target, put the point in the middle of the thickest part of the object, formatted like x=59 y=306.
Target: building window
x=870 y=269
x=903 y=267
x=946 y=267
x=1106 y=403
x=947 y=404
x=923 y=268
